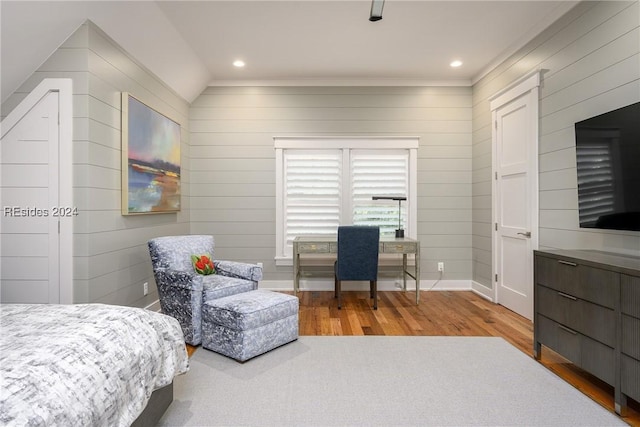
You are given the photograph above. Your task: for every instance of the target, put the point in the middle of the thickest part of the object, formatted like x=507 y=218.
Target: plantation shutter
x=595 y=181
x=383 y=173
x=312 y=193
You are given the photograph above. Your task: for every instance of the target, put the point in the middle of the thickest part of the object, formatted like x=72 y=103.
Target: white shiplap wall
x=111 y=259
x=233 y=162
x=590 y=63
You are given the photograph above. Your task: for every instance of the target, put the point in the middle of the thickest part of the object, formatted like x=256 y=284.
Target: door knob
x=527 y=234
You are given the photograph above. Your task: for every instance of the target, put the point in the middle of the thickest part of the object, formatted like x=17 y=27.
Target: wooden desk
x=329 y=245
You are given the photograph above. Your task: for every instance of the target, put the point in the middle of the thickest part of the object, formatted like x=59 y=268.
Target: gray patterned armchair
x=182 y=291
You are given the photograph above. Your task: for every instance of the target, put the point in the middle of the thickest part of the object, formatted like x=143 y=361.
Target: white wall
x=233 y=162
x=590 y=62
x=111 y=259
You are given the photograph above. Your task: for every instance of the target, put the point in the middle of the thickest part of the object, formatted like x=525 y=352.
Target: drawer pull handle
x=399 y=247
x=567 y=296
x=571 y=331
x=572 y=264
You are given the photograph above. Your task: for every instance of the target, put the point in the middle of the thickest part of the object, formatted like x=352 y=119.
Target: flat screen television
x=608 y=166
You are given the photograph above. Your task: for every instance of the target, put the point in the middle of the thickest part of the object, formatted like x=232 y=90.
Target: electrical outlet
x=260 y=265
x=145 y=288
x=398 y=284
x=441 y=267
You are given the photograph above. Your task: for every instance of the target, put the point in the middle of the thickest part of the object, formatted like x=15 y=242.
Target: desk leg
x=417 y=259
x=404 y=272
x=296 y=270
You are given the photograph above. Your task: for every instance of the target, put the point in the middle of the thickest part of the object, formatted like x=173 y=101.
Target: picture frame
x=150 y=159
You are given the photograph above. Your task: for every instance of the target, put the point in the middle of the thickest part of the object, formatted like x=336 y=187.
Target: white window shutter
x=382 y=173
x=312 y=195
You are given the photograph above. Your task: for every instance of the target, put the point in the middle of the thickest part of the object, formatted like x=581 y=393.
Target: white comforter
x=84 y=365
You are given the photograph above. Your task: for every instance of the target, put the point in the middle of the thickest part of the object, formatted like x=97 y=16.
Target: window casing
x=322 y=183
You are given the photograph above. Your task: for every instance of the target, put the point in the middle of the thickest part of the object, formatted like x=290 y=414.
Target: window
x=325 y=182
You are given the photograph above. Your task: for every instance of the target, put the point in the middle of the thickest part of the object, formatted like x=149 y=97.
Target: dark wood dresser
x=587 y=309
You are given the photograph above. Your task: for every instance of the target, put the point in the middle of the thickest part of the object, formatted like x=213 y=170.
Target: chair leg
x=339 y=291
x=374 y=287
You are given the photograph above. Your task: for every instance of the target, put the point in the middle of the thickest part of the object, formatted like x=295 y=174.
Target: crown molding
x=527 y=37
x=340 y=82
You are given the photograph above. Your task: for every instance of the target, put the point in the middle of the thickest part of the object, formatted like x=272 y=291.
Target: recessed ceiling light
x=238 y=63
x=456 y=63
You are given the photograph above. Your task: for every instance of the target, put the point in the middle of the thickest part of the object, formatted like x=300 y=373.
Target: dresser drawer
x=399 y=247
x=589 y=354
x=598 y=359
x=630 y=374
x=630 y=295
x=585 y=282
x=557 y=274
x=558 y=306
x=598 y=286
x=599 y=323
x=630 y=344
x=315 y=248
x=562 y=340
x=583 y=316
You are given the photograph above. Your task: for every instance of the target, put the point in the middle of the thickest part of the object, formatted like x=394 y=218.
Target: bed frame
x=158 y=404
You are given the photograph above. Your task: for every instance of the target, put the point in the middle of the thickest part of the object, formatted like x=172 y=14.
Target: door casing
x=527 y=85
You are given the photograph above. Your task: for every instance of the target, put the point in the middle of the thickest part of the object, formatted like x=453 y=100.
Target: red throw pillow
x=203 y=264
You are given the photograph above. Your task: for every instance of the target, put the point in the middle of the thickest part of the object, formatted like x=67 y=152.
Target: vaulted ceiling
x=191 y=44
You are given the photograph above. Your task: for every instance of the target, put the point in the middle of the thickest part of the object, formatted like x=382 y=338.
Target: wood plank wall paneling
x=111 y=260
x=233 y=161
x=590 y=62
x=114 y=240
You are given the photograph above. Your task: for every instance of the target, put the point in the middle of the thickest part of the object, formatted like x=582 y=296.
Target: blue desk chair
x=357 y=258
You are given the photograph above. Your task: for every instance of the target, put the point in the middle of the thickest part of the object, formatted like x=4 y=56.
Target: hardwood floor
x=443 y=313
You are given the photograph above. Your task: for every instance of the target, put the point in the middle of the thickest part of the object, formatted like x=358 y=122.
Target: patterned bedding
x=84 y=364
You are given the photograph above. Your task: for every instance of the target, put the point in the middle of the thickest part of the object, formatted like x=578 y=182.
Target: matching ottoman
x=247 y=324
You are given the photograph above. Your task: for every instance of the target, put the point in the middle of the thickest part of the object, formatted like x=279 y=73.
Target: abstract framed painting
x=150 y=159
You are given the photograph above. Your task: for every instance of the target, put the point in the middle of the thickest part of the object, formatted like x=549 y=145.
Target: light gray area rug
x=380 y=381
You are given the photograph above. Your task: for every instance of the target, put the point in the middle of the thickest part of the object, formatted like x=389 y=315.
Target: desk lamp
x=399 y=231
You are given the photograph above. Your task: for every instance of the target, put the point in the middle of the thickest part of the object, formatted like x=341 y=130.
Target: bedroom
x=110 y=259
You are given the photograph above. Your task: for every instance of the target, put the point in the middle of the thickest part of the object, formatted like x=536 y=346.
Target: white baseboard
x=482 y=290
x=154 y=306
x=445 y=285
x=383 y=285
x=320 y=284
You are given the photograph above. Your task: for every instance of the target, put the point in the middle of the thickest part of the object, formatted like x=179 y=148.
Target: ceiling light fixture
x=456 y=63
x=376 y=10
x=238 y=63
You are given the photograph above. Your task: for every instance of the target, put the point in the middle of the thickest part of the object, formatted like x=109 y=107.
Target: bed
x=86 y=364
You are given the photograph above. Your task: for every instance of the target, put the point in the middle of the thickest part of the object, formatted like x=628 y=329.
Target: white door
x=515 y=196
x=29 y=162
